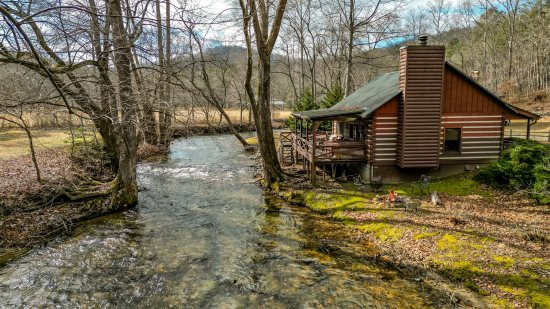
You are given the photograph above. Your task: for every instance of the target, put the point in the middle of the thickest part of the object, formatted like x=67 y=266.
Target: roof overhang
x=328 y=113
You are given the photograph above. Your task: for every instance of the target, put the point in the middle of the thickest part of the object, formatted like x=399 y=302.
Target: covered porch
x=327 y=138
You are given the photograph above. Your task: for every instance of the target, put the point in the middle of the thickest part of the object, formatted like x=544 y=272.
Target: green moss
x=529 y=273
x=383 y=231
x=455 y=185
x=447 y=242
x=504 y=261
x=276 y=187
x=325 y=202
x=540 y=299
x=487 y=240
x=531 y=289
x=424 y=235
x=450 y=243
x=501 y=303
x=463 y=271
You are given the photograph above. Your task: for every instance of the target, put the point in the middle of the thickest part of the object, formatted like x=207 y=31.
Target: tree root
x=89 y=190
x=79 y=195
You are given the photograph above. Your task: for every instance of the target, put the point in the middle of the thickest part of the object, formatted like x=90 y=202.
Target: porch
x=343 y=141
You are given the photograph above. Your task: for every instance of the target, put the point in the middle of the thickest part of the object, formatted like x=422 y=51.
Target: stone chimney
x=421 y=69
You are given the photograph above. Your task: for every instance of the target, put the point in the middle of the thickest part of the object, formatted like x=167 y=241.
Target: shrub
x=525 y=166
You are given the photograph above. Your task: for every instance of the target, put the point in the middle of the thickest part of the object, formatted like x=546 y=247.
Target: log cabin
x=426 y=118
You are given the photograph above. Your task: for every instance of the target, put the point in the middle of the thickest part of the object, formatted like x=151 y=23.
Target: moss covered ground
x=493 y=243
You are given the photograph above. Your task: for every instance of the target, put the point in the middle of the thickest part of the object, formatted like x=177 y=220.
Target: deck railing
x=327 y=151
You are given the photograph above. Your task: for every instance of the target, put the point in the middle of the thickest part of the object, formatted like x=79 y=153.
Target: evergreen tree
x=334 y=95
x=306 y=102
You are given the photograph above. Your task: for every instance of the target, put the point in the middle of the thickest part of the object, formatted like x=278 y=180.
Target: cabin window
x=351 y=131
x=452 y=140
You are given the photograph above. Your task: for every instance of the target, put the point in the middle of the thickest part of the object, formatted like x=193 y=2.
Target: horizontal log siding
x=480 y=117
x=384 y=130
x=481 y=138
x=421 y=79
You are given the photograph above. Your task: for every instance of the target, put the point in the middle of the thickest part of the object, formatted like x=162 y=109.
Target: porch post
x=529 y=125
x=314 y=126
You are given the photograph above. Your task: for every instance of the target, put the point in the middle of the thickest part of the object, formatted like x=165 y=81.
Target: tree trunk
x=262 y=119
x=265 y=40
x=349 y=60
x=166 y=107
x=33 y=154
x=126 y=193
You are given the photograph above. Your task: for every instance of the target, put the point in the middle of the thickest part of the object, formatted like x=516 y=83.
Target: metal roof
x=317 y=114
x=380 y=90
x=362 y=102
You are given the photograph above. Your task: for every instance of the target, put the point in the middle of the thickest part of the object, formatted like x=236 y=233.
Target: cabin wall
x=479 y=118
x=382 y=135
x=421 y=80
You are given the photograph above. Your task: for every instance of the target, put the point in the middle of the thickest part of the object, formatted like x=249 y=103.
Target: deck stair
x=286 y=151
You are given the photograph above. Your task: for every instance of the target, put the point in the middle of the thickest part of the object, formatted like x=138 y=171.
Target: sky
x=228 y=34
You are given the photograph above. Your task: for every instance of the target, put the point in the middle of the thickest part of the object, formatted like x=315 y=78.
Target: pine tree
x=334 y=95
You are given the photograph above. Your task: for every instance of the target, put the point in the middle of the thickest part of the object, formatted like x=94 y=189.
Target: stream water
x=204 y=236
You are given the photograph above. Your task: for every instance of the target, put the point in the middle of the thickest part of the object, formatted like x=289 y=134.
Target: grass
x=254 y=140
x=461 y=185
x=14 y=143
x=183 y=116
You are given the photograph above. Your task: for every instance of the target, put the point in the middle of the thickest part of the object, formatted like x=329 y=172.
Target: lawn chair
x=423 y=183
x=360 y=184
x=376 y=183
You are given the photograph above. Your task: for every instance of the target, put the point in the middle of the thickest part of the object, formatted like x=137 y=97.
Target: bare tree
x=114 y=110
x=258 y=13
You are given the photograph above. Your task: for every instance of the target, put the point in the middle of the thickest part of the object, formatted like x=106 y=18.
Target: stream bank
x=32 y=213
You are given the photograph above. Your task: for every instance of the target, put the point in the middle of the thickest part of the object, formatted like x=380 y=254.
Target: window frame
x=445 y=151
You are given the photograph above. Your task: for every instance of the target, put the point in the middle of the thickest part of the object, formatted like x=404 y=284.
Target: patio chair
x=376 y=183
x=423 y=183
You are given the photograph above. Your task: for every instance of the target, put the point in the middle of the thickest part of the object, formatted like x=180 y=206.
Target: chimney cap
x=423 y=40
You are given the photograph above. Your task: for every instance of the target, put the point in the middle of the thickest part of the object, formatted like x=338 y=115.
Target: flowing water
x=204 y=236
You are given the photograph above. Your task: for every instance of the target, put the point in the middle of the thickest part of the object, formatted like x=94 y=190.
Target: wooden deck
x=323 y=151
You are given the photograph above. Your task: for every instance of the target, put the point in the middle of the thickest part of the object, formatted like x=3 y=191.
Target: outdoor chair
x=423 y=183
x=374 y=185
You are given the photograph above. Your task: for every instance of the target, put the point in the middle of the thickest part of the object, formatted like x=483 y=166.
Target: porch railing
x=327 y=151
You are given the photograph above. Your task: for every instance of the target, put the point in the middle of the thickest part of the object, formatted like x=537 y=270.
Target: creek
x=204 y=235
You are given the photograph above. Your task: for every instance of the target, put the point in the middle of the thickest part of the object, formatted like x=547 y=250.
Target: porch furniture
x=423 y=183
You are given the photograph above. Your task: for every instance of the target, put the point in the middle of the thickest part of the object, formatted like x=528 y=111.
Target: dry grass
x=14 y=143
x=183 y=116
